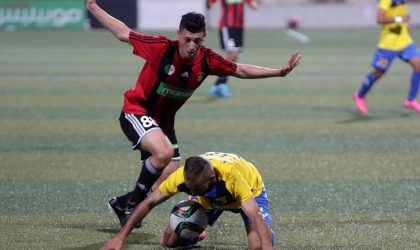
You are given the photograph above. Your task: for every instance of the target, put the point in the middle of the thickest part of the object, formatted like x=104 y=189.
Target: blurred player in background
x=394 y=41
x=219 y=182
x=172 y=71
x=231 y=29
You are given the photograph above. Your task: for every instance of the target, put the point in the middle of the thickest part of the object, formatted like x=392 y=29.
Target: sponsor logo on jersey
x=396 y=30
x=174 y=92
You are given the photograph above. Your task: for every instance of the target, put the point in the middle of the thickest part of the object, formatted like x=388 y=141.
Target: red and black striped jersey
x=232 y=15
x=165 y=81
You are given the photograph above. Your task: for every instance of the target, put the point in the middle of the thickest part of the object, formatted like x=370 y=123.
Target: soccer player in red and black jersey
x=172 y=71
x=231 y=29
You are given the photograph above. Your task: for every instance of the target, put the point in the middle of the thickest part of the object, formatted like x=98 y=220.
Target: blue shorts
x=383 y=58
x=262 y=202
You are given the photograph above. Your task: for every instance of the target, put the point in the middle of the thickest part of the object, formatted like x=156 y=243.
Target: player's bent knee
x=164 y=157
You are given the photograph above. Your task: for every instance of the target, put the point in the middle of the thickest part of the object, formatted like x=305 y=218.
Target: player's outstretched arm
x=247 y=71
x=115 y=26
x=141 y=211
x=252 y=210
x=382 y=18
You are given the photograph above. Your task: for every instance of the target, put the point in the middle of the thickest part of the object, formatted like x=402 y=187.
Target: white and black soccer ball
x=188 y=219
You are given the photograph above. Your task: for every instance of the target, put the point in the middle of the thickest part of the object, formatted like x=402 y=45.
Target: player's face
x=190 y=43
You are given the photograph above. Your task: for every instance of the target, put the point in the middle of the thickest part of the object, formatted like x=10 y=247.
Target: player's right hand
x=115 y=243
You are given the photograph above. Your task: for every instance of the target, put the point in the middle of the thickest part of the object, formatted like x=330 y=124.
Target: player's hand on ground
x=294 y=61
x=113 y=244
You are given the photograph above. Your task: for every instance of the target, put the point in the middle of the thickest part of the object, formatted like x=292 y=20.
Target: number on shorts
x=147 y=121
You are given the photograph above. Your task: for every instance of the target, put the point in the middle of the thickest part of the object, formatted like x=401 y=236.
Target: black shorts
x=135 y=127
x=231 y=39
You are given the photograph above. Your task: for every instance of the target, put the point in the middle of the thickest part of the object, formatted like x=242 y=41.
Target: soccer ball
x=293 y=24
x=188 y=219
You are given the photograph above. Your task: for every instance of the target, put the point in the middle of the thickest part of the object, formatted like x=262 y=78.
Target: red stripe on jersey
x=239 y=16
x=232 y=15
x=147 y=38
x=231 y=65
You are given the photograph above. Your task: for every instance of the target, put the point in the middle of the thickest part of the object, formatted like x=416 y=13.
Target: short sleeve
x=220 y=66
x=169 y=186
x=146 y=46
x=239 y=188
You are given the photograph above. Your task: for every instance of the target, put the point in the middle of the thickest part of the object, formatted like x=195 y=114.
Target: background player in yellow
x=394 y=41
x=219 y=182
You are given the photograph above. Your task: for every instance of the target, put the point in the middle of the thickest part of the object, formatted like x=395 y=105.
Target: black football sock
x=148 y=175
x=220 y=80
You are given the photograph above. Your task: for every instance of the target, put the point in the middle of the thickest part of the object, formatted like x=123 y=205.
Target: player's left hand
x=294 y=61
x=113 y=244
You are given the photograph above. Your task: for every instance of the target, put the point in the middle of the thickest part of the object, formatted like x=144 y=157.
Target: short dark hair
x=194 y=167
x=193 y=22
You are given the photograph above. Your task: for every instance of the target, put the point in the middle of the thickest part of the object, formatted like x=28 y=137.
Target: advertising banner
x=15 y=14
x=123 y=10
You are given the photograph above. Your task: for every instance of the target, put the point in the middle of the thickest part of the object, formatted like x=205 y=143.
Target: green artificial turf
x=335 y=179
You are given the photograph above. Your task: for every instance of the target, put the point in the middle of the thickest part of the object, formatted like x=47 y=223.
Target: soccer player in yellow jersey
x=394 y=41
x=219 y=182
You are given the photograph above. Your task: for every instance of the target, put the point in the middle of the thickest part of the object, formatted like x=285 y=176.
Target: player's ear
x=213 y=175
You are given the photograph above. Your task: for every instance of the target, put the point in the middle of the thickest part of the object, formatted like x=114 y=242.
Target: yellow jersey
x=237 y=180
x=394 y=36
